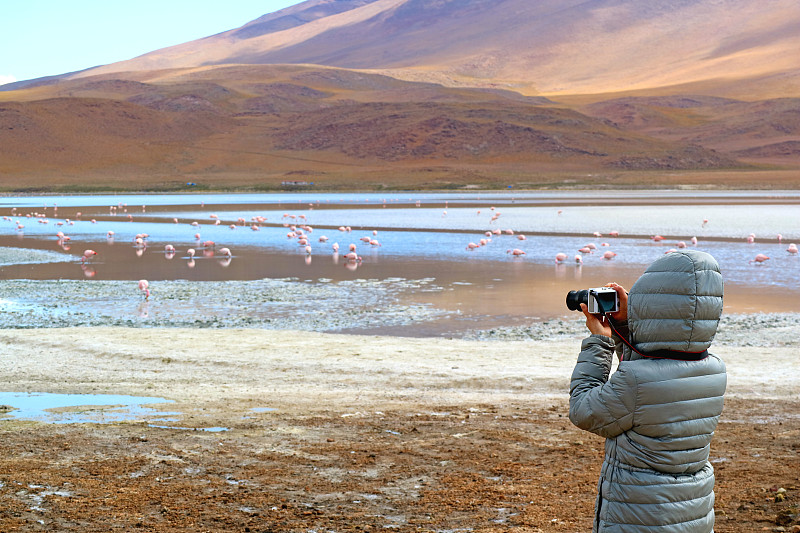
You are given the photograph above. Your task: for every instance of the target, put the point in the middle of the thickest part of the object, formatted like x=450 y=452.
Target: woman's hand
x=597 y=324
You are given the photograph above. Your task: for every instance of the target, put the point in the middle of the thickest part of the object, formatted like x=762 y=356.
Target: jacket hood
x=676 y=304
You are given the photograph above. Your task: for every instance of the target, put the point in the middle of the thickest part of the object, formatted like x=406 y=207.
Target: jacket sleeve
x=596 y=403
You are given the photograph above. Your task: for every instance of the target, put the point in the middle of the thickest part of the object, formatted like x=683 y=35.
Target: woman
x=658 y=411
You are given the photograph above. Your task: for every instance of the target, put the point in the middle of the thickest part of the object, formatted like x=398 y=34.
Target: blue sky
x=47 y=37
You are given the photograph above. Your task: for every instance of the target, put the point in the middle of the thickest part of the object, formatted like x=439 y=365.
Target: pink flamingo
x=760 y=258
x=144 y=287
x=374 y=242
x=471 y=246
x=323 y=238
x=87 y=255
x=578 y=259
x=352 y=247
x=658 y=238
x=561 y=257
x=614 y=233
x=225 y=252
x=585 y=250
x=352 y=256
x=521 y=237
x=515 y=252
x=609 y=255
x=681 y=244
x=335 y=247
x=792 y=249
x=780 y=238
x=751 y=238
x=694 y=241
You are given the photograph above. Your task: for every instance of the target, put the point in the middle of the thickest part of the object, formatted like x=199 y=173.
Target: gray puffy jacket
x=658 y=412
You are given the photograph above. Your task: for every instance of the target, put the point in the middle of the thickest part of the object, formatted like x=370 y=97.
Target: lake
x=419 y=278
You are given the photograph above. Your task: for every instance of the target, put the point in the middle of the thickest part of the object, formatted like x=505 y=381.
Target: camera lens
x=576 y=298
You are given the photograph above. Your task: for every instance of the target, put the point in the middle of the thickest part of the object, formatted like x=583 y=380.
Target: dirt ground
x=346 y=433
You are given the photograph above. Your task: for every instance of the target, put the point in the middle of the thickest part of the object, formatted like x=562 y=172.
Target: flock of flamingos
x=300 y=232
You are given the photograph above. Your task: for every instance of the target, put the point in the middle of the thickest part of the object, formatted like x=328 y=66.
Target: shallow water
x=79 y=408
x=422 y=237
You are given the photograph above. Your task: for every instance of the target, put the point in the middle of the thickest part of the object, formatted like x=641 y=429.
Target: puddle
x=78 y=408
x=209 y=430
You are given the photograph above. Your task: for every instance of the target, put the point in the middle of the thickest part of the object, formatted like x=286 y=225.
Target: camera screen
x=606 y=301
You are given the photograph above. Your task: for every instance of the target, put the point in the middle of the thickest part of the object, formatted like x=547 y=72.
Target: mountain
x=388 y=94
x=549 y=47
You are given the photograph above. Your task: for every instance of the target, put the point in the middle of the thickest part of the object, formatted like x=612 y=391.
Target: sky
x=48 y=37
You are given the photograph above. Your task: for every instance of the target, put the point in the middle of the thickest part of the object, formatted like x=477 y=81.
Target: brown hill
x=256 y=125
x=738 y=48
x=764 y=131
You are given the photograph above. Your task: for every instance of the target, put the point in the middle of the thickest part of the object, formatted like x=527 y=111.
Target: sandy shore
x=308 y=371
x=332 y=432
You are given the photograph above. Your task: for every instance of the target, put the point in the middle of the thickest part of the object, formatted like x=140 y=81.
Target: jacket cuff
x=602 y=341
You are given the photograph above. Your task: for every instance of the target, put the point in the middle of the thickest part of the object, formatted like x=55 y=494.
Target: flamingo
x=225 y=252
x=521 y=237
x=751 y=239
x=609 y=255
x=191 y=253
x=323 y=238
x=585 y=250
x=87 y=254
x=515 y=252
x=471 y=246
x=353 y=257
x=352 y=247
x=561 y=257
x=614 y=233
x=681 y=244
x=792 y=249
x=144 y=287
x=578 y=260
x=760 y=258
x=658 y=238
x=694 y=241
x=374 y=242
x=335 y=247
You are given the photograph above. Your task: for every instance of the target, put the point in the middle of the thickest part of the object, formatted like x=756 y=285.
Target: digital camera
x=599 y=300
